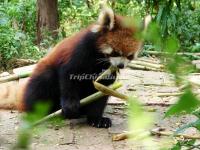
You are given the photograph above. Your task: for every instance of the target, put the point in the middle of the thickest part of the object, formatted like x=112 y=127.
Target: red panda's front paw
x=71 y=111
x=102 y=122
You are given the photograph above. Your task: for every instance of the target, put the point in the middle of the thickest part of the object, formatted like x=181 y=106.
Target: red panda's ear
x=106 y=17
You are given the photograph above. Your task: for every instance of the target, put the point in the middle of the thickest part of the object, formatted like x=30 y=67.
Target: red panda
x=89 y=52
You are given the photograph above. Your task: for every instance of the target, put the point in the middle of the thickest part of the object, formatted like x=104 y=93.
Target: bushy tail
x=11 y=95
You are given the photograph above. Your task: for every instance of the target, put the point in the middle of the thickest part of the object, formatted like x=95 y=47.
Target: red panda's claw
x=102 y=122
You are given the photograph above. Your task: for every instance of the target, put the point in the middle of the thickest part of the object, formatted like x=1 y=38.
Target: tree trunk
x=47 y=18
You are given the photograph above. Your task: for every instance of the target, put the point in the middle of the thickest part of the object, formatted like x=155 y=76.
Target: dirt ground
x=76 y=135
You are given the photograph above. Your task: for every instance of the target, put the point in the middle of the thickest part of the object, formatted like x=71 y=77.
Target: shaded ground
x=75 y=136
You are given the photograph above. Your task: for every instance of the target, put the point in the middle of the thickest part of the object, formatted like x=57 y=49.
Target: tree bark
x=47 y=18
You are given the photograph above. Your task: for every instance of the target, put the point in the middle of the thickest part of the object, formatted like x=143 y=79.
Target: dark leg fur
x=94 y=111
x=70 y=99
x=43 y=88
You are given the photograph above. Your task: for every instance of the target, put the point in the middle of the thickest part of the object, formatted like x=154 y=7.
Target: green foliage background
x=17 y=31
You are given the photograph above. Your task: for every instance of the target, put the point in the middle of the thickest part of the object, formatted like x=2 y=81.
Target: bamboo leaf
x=186 y=103
x=160 y=13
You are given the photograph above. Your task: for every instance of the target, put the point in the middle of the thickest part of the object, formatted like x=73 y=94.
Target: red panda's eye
x=114 y=54
x=130 y=57
x=106 y=55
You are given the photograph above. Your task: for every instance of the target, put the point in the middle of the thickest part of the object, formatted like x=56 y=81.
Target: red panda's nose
x=120 y=66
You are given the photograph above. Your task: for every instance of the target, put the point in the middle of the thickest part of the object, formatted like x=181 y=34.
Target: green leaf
x=191 y=142
x=136 y=115
x=186 y=103
x=164 y=18
x=197 y=113
x=139 y=121
x=178 y=3
x=159 y=15
x=78 y=3
x=174 y=63
x=176 y=147
x=153 y=35
x=123 y=1
x=40 y=110
x=179 y=66
x=171 y=45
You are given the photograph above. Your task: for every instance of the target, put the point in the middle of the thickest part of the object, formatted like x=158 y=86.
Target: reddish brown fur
x=60 y=53
x=121 y=38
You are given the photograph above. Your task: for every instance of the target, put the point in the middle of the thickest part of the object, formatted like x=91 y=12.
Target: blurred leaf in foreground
x=140 y=123
x=171 y=45
x=153 y=35
x=26 y=129
x=186 y=103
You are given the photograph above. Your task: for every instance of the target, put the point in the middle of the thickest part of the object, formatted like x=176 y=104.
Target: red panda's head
x=117 y=40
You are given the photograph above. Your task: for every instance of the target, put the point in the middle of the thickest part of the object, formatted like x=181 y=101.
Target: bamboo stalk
x=194 y=55
x=147 y=64
x=14 y=77
x=149 y=60
x=106 y=90
x=136 y=66
x=194 y=83
x=108 y=71
x=179 y=53
x=109 y=91
x=83 y=102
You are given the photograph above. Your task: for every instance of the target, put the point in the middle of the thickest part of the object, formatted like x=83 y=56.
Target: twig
x=123 y=136
x=170 y=133
x=195 y=73
x=23 y=62
x=155 y=84
x=83 y=102
x=193 y=147
x=135 y=66
x=169 y=94
x=157 y=104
